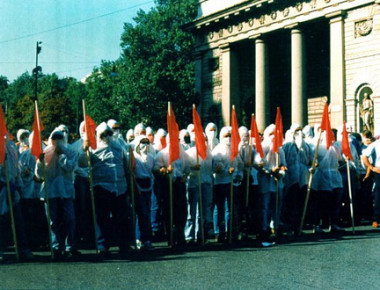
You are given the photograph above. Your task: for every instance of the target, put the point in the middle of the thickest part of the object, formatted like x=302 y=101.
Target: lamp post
x=37 y=68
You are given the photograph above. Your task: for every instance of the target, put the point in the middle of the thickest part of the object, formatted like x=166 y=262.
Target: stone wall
x=315 y=109
x=362 y=59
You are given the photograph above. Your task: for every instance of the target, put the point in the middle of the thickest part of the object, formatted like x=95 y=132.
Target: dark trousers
x=83 y=211
x=223 y=203
x=36 y=227
x=5 y=227
x=143 y=204
x=112 y=217
x=325 y=206
x=179 y=209
x=293 y=203
x=376 y=198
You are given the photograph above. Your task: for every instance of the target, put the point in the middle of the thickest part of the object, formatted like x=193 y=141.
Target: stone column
x=376 y=114
x=230 y=88
x=337 y=68
x=262 y=88
x=299 y=99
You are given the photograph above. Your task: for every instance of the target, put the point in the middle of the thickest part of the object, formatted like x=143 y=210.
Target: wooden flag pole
x=277 y=197
x=200 y=200
x=90 y=180
x=200 y=204
x=10 y=205
x=231 y=200
x=45 y=185
x=350 y=194
x=309 y=183
x=133 y=201
x=170 y=188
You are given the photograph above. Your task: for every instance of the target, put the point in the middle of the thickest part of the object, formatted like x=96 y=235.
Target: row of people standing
x=65 y=168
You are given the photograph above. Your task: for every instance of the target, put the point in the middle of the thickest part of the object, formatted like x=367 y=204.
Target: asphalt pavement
x=326 y=261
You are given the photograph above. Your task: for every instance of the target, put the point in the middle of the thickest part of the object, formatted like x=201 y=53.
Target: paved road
x=328 y=262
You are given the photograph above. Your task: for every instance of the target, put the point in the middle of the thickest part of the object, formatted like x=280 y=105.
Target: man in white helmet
x=57 y=164
x=31 y=194
x=15 y=187
x=326 y=187
x=223 y=169
x=65 y=130
x=269 y=172
x=109 y=189
x=179 y=170
x=23 y=139
x=299 y=157
x=211 y=132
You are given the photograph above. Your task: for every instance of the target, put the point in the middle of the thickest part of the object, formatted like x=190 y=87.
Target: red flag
x=91 y=127
x=173 y=131
x=278 y=132
x=36 y=142
x=255 y=134
x=235 y=138
x=3 y=133
x=325 y=126
x=200 y=140
x=345 y=143
x=163 y=142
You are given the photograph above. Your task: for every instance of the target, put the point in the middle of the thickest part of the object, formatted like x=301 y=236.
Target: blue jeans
x=223 y=201
x=267 y=208
x=62 y=217
x=193 y=219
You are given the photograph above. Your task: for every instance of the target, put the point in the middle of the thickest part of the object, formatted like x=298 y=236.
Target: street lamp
x=37 y=68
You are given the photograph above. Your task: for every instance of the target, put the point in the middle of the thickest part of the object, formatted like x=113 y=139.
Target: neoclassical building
x=260 y=54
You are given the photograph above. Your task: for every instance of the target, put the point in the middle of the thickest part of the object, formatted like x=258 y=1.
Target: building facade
x=261 y=54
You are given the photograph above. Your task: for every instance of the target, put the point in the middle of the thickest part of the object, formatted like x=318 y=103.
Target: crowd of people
x=131 y=179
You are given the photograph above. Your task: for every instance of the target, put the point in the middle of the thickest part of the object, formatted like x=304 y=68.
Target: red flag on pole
x=235 y=138
x=200 y=140
x=255 y=134
x=278 y=132
x=173 y=131
x=3 y=133
x=345 y=143
x=36 y=146
x=91 y=127
x=325 y=126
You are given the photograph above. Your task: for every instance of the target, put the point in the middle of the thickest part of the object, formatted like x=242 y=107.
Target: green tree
x=157 y=65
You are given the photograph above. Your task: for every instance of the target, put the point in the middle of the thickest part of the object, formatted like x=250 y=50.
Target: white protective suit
x=266 y=180
x=59 y=169
x=222 y=158
x=211 y=135
x=182 y=135
x=14 y=177
x=144 y=163
x=299 y=157
x=24 y=142
x=327 y=176
x=206 y=167
x=180 y=166
x=159 y=138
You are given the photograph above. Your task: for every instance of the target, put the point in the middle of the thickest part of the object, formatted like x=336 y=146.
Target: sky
x=75 y=34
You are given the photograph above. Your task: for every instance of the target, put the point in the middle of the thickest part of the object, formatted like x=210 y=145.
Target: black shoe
x=58 y=255
x=26 y=255
x=73 y=253
x=103 y=255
